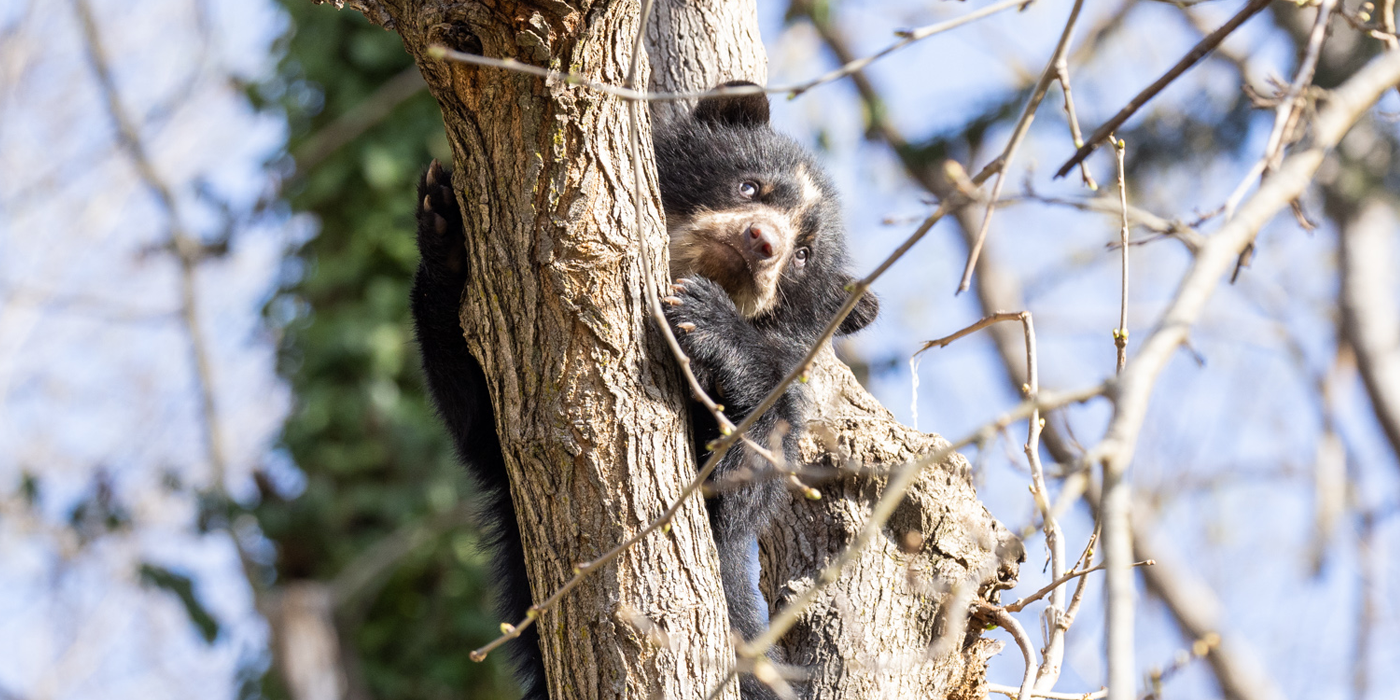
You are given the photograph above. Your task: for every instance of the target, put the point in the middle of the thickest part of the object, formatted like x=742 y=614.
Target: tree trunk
x=589 y=407
x=588 y=403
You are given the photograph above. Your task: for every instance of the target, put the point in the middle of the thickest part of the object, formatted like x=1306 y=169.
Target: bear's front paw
x=702 y=317
x=440 y=239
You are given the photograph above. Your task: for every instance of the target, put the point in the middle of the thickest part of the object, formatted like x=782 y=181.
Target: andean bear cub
x=758 y=257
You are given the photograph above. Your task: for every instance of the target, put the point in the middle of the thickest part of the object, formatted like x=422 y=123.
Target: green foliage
x=181 y=586
x=374 y=456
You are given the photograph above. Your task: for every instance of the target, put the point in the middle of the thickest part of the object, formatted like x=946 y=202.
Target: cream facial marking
x=743 y=251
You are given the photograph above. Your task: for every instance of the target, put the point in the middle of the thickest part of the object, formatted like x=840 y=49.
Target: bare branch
x=1062 y=76
x=1018 y=135
x=1120 y=334
x=994 y=318
x=350 y=125
x=187 y=249
x=904 y=477
x=1018 y=633
x=1192 y=604
x=630 y=93
x=1056 y=585
x=1387 y=17
x=1053 y=653
x=1195 y=54
x=1067 y=620
x=1010 y=692
x=1370 y=317
x=1344 y=106
x=1286 y=113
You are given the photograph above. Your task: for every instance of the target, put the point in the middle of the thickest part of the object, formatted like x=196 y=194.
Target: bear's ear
x=750 y=111
x=865 y=311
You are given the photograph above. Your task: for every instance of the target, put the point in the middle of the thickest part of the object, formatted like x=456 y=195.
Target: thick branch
x=1344 y=106
x=873 y=610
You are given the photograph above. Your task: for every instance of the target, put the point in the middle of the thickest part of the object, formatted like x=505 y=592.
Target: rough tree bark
x=589 y=406
x=1370 y=318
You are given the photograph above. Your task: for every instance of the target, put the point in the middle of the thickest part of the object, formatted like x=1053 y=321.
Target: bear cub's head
x=750 y=209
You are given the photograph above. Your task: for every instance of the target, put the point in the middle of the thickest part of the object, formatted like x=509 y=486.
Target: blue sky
x=95 y=368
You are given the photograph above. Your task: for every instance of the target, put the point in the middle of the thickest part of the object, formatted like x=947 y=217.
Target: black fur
x=458 y=387
x=701 y=160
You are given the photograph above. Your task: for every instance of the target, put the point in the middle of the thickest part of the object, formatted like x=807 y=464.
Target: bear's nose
x=760 y=240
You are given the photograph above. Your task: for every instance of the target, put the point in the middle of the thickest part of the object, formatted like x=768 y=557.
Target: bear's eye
x=799 y=258
x=748 y=189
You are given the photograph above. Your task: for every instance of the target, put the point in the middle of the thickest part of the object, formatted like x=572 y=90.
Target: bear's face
x=756 y=232
x=749 y=209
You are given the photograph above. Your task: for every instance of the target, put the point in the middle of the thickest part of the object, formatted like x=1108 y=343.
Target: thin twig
x=1009 y=623
x=1360 y=18
x=1344 y=106
x=1018 y=135
x=1052 y=656
x=1120 y=334
x=1388 y=24
x=1057 y=585
x=904 y=477
x=1285 y=113
x=1053 y=653
x=1067 y=619
x=350 y=125
x=994 y=318
x=629 y=93
x=1137 y=216
x=1195 y=54
x=187 y=249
